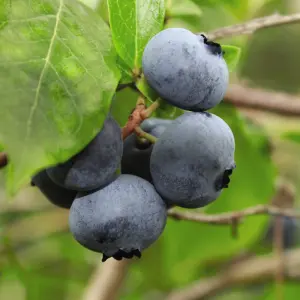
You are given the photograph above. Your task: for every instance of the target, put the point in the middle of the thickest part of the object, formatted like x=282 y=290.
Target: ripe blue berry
x=95 y=166
x=192 y=160
x=185 y=69
x=119 y=220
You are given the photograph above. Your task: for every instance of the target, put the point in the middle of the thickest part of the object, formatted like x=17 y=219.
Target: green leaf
x=58 y=75
x=133 y=23
x=123 y=105
x=91 y=3
x=126 y=74
x=292 y=136
x=232 y=56
x=102 y=10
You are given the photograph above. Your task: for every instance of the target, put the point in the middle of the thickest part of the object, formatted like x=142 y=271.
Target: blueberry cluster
x=120 y=215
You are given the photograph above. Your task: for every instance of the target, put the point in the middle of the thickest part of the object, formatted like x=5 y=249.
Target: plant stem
x=149 y=111
x=142 y=134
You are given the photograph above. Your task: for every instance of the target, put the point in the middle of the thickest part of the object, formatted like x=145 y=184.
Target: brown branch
x=3 y=159
x=253 y=270
x=228 y=218
x=135 y=118
x=254 y=25
x=138 y=115
x=276 y=102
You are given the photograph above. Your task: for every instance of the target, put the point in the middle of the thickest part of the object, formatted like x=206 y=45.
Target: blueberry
x=186 y=70
x=120 y=220
x=136 y=153
x=95 y=166
x=192 y=160
x=54 y=193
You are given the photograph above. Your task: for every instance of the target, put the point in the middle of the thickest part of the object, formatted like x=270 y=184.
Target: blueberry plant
x=73 y=146
x=118 y=164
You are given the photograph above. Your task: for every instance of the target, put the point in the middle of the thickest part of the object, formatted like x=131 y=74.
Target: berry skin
x=136 y=153
x=95 y=166
x=54 y=193
x=119 y=220
x=192 y=160
x=185 y=69
x=149 y=124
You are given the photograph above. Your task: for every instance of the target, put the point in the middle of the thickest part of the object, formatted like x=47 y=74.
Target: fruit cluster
x=120 y=215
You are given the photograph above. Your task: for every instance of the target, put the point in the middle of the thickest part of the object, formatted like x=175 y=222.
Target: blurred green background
x=40 y=260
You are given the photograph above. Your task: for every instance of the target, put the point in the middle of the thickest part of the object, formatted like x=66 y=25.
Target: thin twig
x=281 y=103
x=227 y=218
x=254 y=25
x=142 y=134
x=252 y=270
x=149 y=110
x=138 y=115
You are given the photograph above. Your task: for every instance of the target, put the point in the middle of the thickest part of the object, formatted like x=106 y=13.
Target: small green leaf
x=57 y=77
x=146 y=90
x=123 y=104
x=292 y=136
x=133 y=23
x=232 y=56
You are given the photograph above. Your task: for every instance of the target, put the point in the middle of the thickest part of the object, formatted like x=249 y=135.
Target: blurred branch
x=237 y=94
x=254 y=270
x=281 y=103
x=25 y=230
x=228 y=218
x=254 y=25
x=3 y=159
x=107 y=280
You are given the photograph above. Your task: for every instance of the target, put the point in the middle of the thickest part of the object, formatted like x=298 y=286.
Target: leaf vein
x=43 y=72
